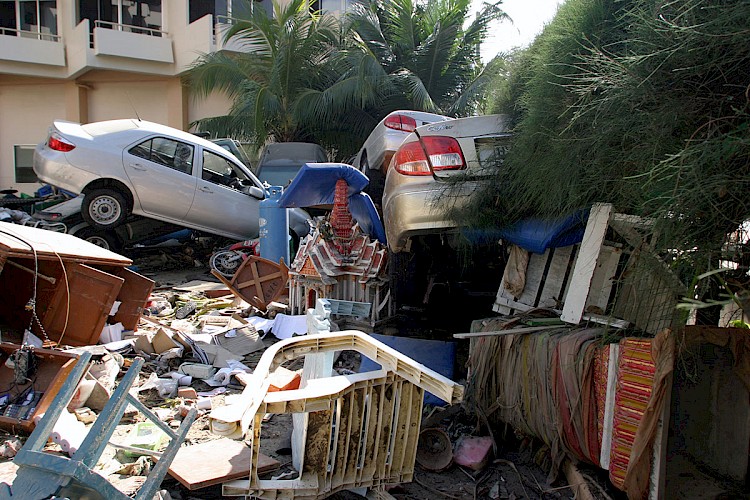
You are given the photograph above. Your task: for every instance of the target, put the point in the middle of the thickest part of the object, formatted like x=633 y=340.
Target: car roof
x=114 y=126
x=300 y=151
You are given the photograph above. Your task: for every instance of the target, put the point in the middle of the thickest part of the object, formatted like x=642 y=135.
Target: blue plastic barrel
x=274 y=227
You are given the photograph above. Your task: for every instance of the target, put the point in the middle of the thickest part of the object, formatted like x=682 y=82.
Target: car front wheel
x=104 y=208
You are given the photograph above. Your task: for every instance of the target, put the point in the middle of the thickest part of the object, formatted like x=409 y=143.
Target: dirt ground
x=514 y=472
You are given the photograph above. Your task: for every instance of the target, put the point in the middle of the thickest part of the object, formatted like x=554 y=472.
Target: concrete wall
x=27 y=111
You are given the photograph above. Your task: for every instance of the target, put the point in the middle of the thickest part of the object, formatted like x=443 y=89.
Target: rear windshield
x=101 y=128
x=296 y=153
x=278 y=175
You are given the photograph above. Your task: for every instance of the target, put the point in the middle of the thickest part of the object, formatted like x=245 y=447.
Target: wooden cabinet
x=69 y=284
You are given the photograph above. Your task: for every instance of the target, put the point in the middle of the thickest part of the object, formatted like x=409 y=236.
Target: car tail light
x=49 y=216
x=444 y=154
x=57 y=143
x=401 y=122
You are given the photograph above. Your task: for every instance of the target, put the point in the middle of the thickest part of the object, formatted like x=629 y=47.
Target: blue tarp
x=536 y=235
x=434 y=354
x=315 y=185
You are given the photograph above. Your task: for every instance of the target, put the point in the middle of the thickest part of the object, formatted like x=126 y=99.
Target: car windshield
x=278 y=175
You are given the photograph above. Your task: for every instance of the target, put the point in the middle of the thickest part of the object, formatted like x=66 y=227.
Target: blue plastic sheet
x=315 y=184
x=536 y=235
x=434 y=354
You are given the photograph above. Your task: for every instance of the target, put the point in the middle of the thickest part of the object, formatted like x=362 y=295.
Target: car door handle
x=137 y=166
x=205 y=189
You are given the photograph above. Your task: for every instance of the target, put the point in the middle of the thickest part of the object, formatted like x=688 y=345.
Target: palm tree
x=430 y=61
x=286 y=59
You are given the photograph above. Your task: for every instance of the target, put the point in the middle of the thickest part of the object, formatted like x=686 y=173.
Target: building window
x=123 y=14
x=35 y=18
x=335 y=7
x=23 y=155
x=238 y=9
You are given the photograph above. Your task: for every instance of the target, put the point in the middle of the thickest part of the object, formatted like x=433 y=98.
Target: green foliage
x=290 y=84
x=421 y=53
x=639 y=103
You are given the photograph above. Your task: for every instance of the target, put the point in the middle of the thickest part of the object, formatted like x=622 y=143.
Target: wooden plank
x=133 y=296
x=580 y=282
x=509 y=331
x=553 y=293
x=603 y=279
x=534 y=274
x=609 y=406
x=214 y=462
x=658 y=477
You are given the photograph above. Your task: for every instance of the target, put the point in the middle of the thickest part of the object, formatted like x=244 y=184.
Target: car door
x=220 y=205
x=161 y=172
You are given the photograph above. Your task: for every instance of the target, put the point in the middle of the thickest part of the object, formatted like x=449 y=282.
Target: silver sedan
x=417 y=193
x=129 y=166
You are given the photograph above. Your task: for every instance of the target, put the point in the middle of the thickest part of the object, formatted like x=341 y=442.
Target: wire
x=32 y=302
x=67 y=294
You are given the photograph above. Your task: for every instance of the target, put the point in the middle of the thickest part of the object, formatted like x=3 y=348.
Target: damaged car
x=437 y=167
x=133 y=167
x=375 y=154
x=420 y=186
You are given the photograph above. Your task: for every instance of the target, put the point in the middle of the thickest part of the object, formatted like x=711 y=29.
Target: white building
x=93 y=60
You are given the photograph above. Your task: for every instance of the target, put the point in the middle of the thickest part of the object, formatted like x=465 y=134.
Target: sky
x=529 y=17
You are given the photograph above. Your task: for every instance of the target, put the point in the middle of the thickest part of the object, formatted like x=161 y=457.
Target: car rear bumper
x=417 y=210
x=53 y=168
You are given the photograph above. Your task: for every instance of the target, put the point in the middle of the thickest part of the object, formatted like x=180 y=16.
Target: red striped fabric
x=635 y=377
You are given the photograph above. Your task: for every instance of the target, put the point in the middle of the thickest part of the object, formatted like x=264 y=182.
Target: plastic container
x=274 y=227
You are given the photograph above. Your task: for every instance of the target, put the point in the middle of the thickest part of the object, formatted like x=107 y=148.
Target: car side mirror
x=255 y=192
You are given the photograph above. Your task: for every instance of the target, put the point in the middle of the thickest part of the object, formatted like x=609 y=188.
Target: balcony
x=133 y=42
x=31 y=47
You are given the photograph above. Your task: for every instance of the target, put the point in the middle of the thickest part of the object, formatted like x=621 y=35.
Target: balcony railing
x=31 y=34
x=143 y=30
x=133 y=42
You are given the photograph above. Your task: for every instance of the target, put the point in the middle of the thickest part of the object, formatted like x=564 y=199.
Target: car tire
x=104 y=208
x=99 y=238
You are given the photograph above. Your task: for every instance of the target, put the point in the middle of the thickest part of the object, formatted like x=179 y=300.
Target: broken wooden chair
x=43 y=475
x=350 y=431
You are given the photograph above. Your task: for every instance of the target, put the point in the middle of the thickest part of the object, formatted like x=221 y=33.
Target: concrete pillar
x=77 y=101
x=177 y=104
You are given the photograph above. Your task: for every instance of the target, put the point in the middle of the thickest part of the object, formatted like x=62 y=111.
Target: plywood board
x=210 y=289
x=214 y=462
x=15 y=240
